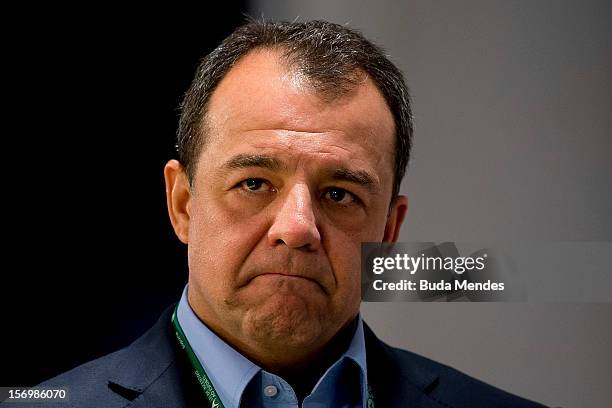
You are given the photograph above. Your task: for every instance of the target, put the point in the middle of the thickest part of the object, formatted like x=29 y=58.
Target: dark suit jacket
x=153 y=372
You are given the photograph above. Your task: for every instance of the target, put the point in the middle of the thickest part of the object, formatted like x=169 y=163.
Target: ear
x=396 y=216
x=178 y=198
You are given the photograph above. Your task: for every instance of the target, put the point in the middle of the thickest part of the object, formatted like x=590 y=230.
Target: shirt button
x=270 y=391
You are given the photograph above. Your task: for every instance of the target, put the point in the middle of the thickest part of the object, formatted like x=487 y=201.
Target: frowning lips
x=315 y=272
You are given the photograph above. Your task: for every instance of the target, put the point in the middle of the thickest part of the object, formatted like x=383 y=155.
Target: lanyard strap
x=198 y=370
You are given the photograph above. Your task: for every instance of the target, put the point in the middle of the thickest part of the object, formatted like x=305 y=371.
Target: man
x=293 y=141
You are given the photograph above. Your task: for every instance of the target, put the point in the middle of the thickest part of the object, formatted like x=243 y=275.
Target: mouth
x=285 y=276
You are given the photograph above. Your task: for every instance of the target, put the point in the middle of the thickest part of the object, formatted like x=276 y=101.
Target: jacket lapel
x=396 y=380
x=150 y=372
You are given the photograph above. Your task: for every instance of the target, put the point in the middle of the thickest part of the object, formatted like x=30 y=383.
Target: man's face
x=287 y=187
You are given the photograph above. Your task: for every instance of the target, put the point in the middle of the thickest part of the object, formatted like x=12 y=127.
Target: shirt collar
x=230 y=372
x=357 y=352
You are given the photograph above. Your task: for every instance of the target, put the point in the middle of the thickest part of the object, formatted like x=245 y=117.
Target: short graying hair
x=331 y=56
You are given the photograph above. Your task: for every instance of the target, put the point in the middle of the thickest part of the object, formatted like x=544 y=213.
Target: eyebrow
x=359 y=177
x=242 y=161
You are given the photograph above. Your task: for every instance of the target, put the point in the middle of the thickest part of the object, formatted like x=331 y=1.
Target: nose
x=295 y=222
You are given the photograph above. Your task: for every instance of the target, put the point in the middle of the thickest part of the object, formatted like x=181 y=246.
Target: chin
x=287 y=322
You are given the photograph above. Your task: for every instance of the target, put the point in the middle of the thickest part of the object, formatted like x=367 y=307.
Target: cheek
x=345 y=259
x=346 y=239
x=374 y=229
x=218 y=244
x=343 y=249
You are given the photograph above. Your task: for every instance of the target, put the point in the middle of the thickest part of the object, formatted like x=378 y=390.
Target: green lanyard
x=198 y=370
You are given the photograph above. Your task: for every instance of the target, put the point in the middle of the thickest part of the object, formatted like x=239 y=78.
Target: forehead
x=262 y=98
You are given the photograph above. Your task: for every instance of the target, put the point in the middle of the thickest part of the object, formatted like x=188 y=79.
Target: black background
x=89 y=257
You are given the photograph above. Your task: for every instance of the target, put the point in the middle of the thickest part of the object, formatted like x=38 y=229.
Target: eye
x=339 y=196
x=256 y=185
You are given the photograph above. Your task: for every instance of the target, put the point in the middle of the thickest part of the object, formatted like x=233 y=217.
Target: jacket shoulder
x=442 y=385
x=119 y=378
x=454 y=388
x=87 y=385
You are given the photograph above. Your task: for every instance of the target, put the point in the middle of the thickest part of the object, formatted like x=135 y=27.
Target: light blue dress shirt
x=241 y=383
